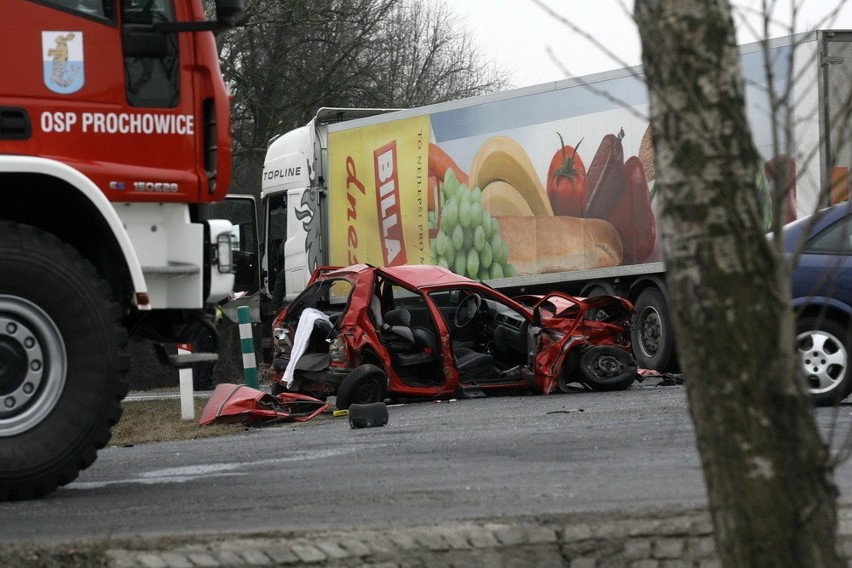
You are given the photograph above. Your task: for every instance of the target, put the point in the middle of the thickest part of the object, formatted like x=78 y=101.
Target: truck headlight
x=224 y=253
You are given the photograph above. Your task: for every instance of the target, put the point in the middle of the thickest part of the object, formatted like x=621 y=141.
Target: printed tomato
x=566 y=181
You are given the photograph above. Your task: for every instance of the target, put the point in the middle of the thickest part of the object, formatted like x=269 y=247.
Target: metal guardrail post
x=247 y=344
x=187 y=397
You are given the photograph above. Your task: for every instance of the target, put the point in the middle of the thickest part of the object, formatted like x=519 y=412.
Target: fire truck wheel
x=371 y=415
x=364 y=385
x=607 y=368
x=62 y=362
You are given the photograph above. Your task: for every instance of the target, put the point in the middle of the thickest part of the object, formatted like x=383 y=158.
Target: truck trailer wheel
x=651 y=333
x=62 y=361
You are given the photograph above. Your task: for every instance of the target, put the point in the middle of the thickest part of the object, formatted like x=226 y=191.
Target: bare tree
x=769 y=479
x=291 y=57
x=425 y=58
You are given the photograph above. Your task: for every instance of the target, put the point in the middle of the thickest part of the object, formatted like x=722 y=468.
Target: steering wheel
x=467 y=309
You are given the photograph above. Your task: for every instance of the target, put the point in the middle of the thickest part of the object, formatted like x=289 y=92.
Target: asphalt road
x=433 y=462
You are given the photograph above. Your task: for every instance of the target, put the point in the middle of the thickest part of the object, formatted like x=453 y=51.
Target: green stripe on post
x=247 y=344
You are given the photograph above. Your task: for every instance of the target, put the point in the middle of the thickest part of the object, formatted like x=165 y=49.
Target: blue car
x=822 y=298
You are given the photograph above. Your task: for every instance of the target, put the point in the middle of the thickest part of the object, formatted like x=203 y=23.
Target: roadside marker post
x=247 y=344
x=187 y=402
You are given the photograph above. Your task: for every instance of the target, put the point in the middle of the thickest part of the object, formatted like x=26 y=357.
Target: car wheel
x=824 y=352
x=607 y=368
x=364 y=385
x=62 y=362
x=651 y=333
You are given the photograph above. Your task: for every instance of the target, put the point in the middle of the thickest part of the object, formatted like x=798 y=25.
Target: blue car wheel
x=824 y=352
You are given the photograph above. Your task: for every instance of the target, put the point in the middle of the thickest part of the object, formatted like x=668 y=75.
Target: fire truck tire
x=607 y=368
x=64 y=359
x=364 y=385
x=651 y=334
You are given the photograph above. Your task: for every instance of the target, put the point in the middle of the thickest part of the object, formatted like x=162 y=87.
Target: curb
x=649 y=539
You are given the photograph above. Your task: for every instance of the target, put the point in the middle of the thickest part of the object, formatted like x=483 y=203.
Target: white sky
x=517 y=33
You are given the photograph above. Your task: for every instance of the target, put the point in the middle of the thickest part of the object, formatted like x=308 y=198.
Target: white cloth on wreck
x=300 y=341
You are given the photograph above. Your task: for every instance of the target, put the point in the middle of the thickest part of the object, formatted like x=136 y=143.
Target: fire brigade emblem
x=62 y=54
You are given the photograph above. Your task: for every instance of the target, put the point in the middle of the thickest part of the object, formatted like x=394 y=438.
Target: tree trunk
x=771 y=491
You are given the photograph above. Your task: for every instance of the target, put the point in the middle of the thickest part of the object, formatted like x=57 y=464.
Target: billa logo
x=387 y=201
x=62 y=54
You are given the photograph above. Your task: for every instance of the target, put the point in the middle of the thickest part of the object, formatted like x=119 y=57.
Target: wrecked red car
x=366 y=334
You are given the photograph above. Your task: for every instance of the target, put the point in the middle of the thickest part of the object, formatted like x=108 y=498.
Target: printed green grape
x=478 y=237
x=486 y=224
x=458 y=237
x=485 y=257
x=461 y=263
x=468 y=239
x=473 y=262
x=440 y=244
x=450 y=215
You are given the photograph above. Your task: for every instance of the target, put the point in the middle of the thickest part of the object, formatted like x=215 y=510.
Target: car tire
x=371 y=415
x=607 y=368
x=823 y=347
x=364 y=385
x=65 y=357
x=651 y=334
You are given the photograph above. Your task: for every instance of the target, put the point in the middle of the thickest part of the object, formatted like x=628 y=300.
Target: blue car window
x=836 y=239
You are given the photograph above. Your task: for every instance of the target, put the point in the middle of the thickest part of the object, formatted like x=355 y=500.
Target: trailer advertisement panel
x=550 y=179
x=382 y=169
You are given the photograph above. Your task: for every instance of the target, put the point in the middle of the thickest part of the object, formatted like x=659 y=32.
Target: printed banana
x=502 y=159
x=500 y=198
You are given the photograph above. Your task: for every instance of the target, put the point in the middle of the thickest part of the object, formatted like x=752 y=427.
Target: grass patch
x=145 y=421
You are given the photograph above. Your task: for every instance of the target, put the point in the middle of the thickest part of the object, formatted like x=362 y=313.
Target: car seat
x=473 y=366
x=396 y=331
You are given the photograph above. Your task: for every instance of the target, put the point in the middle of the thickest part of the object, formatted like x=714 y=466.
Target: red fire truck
x=114 y=139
